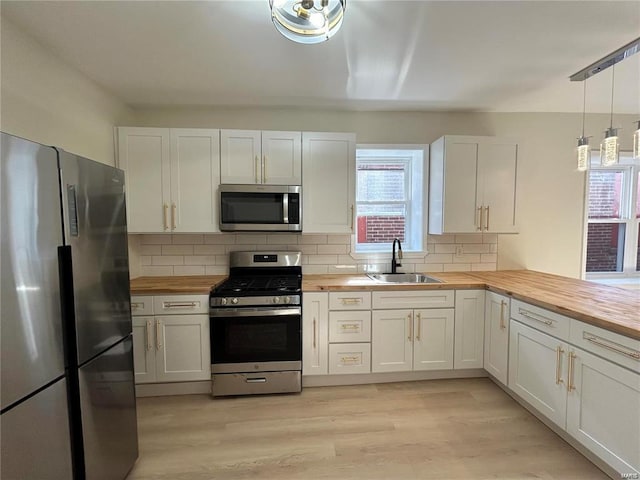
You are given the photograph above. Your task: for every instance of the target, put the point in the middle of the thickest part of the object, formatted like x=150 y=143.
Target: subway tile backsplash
x=208 y=254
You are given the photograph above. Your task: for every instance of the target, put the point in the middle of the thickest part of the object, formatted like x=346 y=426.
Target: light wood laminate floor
x=438 y=429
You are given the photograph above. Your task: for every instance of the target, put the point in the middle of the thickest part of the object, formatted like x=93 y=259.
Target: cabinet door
x=496 y=335
x=498 y=171
x=391 y=340
x=143 y=153
x=328 y=190
x=184 y=351
x=469 y=329
x=282 y=158
x=195 y=176
x=433 y=345
x=144 y=349
x=240 y=156
x=315 y=333
x=537 y=366
x=603 y=411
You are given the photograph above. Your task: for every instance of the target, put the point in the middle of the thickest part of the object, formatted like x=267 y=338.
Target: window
x=613 y=220
x=389 y=198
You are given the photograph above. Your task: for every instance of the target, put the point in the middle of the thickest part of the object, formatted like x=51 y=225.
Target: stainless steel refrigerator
x=67 y=386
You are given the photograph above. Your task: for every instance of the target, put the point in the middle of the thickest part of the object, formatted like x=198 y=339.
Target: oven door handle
x=253 y=312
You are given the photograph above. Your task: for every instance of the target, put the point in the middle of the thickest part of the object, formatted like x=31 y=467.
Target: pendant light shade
x=610 y=146
x=307 y=21
x=636 y=141
x=583 y=151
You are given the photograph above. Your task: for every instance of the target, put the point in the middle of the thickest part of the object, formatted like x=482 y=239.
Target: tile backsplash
x=208 y=254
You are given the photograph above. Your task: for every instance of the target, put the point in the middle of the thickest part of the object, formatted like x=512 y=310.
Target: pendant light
x=610 y=146
x=636 y=141
x=307 y=21
x=583 y=151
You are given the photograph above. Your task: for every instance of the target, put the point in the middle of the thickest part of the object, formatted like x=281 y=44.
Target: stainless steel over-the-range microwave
x=260 y=208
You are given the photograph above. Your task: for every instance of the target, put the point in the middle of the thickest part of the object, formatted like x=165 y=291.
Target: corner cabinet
x=328 y=179
x=171 y=178
x=260 y=157
x=473 y=185
x=171 y=338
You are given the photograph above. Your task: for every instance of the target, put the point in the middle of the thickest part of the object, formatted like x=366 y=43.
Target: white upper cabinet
x=255 y=157
x=328 y=186
x=172 y=178
x=473 y=185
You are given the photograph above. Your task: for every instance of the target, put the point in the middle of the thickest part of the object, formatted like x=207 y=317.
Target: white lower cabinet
x=496 y=335
x=468 y=349
x=537 y=367
x=594 y=399
x=349 y=358
x=172 y=348
x=405 y=340
x=315 y=333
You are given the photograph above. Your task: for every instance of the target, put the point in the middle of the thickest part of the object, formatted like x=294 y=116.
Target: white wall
x=551 y=191
x=45 y=100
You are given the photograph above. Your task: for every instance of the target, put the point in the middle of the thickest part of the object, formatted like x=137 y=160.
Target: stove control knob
x=223 y=301
x=287 y=300
x=234 y=300
x=276 y=299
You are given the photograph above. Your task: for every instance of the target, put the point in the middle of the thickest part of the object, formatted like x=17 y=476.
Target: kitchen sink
x=402 y=278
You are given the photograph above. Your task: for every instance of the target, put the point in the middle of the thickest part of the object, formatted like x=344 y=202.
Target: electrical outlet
x=459 y=250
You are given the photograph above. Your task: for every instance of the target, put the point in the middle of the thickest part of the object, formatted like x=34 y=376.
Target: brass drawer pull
x=533 y=316
x=559 y=352
x=570 y=385
x=601 y=342
x=180 y=304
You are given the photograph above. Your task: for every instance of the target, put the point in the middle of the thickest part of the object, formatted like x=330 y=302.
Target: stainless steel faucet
x=394 y=263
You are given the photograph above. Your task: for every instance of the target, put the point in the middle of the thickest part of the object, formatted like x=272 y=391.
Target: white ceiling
x=508 y=56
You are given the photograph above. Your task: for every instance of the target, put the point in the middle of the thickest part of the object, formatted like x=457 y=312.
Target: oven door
x=255 y=339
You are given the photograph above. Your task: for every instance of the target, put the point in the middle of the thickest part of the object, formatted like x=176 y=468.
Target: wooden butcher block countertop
x=193 y=284
x=612 y=308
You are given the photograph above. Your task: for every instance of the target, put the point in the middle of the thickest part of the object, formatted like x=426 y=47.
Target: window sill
x=629 y=281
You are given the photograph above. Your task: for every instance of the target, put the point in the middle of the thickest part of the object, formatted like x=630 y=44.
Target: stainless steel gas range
x=256 y=325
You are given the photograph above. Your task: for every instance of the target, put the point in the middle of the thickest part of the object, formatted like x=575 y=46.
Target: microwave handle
x=285 y=208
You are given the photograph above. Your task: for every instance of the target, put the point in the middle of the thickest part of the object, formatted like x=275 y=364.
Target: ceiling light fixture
x=583 y=150
x=610 y=146
x=307 y=21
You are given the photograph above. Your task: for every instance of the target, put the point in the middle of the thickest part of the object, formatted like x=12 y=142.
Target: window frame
x=381 y=251
x=629 y=199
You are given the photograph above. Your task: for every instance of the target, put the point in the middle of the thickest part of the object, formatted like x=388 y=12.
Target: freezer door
x=35 y=437
x=96 y=229
x=108 y=405
x=30 y=230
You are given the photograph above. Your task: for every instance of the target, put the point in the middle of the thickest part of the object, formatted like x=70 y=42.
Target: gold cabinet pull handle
x=349 y=360
x=256 y=168
x=165 y=216
x=173 y=216
x=264 y=170
x=480 y=210
x=533 y=316
x=602 y=342
x=351 y=301
x=410 y=336
x=559 y=352
x=419 y=326
x=502 y=305
x=158 y=334
x=314 y=332
x=350 y=326
x=487 y=225
x=169 y=305
x=149 y=337
x=570 y=386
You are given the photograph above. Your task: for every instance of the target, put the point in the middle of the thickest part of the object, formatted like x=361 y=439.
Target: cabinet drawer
x=612 y=346
x=349 y=358
x=349 y=300
x=541 y=319
x=350 y=326
x=141 y=305
x=180 y=304
x=414 y=299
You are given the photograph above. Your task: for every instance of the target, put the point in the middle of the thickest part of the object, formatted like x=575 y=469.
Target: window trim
x=378 y=256
x=631 y=179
